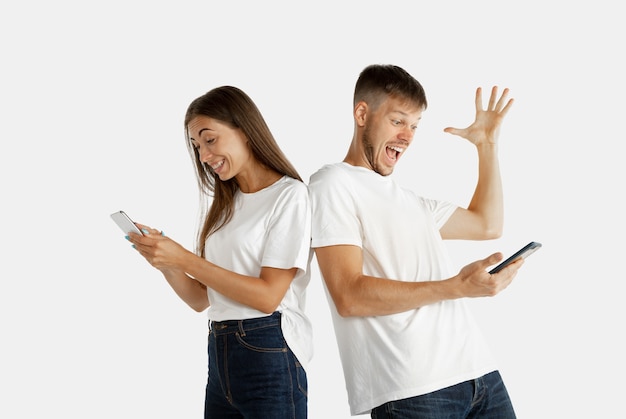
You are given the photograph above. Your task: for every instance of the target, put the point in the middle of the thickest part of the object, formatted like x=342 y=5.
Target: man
x=408 y=345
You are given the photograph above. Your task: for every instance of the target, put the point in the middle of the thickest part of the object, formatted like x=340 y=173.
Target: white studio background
x=92 y=98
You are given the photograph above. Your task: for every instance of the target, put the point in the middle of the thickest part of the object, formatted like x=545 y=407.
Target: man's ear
x=360 y=113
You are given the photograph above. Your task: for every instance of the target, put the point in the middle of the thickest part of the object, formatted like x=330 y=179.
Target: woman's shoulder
x=291 y=186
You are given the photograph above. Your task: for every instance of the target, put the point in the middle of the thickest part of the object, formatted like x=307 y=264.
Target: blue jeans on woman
x=252 y=372
x=485 y=397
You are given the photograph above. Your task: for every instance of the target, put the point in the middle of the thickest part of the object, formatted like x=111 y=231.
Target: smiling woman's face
x=223 y=148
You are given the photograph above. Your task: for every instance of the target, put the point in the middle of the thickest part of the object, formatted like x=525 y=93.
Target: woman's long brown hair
x=231 y=106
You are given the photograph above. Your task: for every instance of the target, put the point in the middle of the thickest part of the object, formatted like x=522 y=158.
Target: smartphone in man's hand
x=524 y=252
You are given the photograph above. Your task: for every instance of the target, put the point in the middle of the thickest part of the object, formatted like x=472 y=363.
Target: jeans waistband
x=242 y=326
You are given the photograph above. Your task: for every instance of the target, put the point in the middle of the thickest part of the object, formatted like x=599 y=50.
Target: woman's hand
x=159 y=250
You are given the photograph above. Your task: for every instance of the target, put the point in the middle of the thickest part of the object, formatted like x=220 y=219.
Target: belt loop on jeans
x=241 y=331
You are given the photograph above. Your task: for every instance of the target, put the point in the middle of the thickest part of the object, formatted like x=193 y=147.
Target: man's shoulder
x=329 y=168
x=328 y=174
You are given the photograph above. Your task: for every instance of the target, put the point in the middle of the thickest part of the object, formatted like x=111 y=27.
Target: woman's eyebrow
x=200 y=133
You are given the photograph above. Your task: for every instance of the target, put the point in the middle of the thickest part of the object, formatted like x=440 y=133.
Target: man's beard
x=369 y=150
x=369 y=153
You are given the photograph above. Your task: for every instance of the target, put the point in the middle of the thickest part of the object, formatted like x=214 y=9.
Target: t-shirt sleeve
x=335 y=218
x=441 y=210
x=289 y=231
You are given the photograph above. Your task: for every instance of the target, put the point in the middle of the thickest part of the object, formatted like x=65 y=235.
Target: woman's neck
x=258 y=179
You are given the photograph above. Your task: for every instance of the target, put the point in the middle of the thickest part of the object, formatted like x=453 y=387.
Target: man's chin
x=385 y=171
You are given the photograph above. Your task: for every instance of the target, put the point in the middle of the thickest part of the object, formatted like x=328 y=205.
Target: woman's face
x=223 y=148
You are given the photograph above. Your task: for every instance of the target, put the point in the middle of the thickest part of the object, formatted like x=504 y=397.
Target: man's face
x=388 y=132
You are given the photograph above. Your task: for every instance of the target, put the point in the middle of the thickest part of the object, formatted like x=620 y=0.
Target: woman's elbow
x=268 y=306
x=198 y=306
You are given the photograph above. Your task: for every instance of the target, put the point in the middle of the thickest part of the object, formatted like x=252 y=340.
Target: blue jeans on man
x=483 y=398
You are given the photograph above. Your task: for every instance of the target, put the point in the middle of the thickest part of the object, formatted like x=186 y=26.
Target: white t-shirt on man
x=396 y=356
x=269 y=228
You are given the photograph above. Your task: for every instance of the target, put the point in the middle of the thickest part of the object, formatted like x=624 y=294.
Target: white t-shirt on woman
x=269 y=228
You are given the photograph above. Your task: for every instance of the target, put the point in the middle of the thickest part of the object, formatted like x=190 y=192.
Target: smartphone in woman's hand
x=125 y=223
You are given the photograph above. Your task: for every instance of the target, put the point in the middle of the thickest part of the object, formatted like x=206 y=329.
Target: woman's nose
x=204 y=154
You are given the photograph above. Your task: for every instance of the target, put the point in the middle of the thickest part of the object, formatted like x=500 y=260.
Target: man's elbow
x=490 y=230
x=345 y=307
x=343 y=312
x=493 y=233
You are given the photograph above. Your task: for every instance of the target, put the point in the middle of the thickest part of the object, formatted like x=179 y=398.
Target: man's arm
x=355 y=294
x=484 y=217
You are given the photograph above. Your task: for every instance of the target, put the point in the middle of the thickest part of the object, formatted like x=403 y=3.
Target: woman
x=251 y=267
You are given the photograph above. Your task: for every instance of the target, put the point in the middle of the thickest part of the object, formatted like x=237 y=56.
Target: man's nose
x=407 y=134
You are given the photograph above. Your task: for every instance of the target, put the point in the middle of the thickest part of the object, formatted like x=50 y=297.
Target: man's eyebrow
x=400 y=113
x=404 y=114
